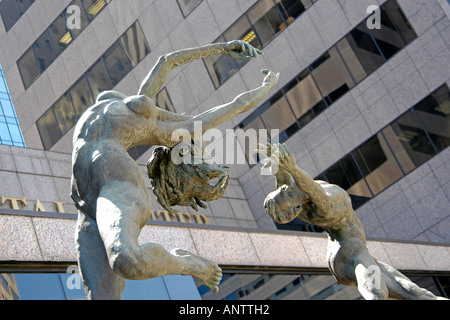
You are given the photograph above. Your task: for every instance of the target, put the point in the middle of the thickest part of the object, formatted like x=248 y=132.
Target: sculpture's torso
x=102 y=137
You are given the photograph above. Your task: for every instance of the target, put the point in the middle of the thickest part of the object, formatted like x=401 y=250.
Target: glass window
x=280 y=116
x=187 y=6
x=332 y=87
x=116 y=62
x=59 y=35
x=28 y=68
x=65 y=114
x=303 y=94
x=7 y=108
x=378 y=164
x=151 y=289
x=395 y=32
x=93 y=7
x=43 y=51
x=10 y=13
x=266 y=20
x=360 y=53
x=291 y=9
x=346 y=175
x=98 y=78
x=434 y=114
x=39 y=286
x=135 y=44
x=81 y=96
x=48 y=129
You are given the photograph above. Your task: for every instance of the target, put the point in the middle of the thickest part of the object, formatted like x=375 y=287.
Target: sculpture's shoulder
x=110 y=95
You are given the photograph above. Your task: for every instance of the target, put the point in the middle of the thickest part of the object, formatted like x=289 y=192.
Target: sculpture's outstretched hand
x=241 y=50
x=278 y=155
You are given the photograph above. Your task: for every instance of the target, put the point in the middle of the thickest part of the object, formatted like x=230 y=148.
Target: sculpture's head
x=185 y=184
x=285 y=204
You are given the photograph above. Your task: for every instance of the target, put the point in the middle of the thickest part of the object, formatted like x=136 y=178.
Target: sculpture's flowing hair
x=184 y=184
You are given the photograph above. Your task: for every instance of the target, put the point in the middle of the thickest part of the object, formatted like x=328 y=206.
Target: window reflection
x=117 y=63
x=48 y=129
x=59 y=35
x=98 y=78
x=332 y=88
x=12 y=10
x=43 y=51
x=28 y=68
x=65 y=114
x=135 y=45
x=81 y=96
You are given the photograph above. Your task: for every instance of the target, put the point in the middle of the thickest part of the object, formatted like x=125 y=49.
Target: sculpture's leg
x=369 y=278
x=121 y=212
x=400 y=287
x=99 y=280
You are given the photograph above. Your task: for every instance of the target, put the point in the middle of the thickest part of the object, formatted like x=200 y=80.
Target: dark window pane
x=266 y=20
x=93 y=7
x=81 y=96
x=43 y=51
x=117 y=63
x=360 y=53
x=28 y=68
x=291 y=9
x=135 y=44
x=10 y=13
x=48 y=129
x=332 y=87
x=370 y=156
x=187 y=6
x=279 y=115
x=303 y=95
x=98 y=78
x=65 y=114
x=60 y=35
x=378 y=164
x=434 y=113
x=395 y=32
x=409 y=142
x=346 y=175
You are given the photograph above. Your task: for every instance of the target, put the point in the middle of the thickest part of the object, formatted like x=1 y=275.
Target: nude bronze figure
x=107 y=187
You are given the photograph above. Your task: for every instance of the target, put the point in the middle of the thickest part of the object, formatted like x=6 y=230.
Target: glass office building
x=10 y=132
x=362 y=102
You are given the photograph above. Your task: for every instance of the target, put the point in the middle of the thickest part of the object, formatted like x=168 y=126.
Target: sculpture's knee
x=126 y=264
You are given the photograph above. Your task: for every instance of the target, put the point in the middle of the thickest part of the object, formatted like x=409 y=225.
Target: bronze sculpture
x=107 y=188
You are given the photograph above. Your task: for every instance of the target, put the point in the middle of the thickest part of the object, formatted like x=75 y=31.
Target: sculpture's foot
x=208 y=272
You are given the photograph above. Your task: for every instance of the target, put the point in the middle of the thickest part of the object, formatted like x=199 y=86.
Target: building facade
x=362 y=102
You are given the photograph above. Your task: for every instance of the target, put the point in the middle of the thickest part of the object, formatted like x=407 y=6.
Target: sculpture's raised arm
x=158 y=75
